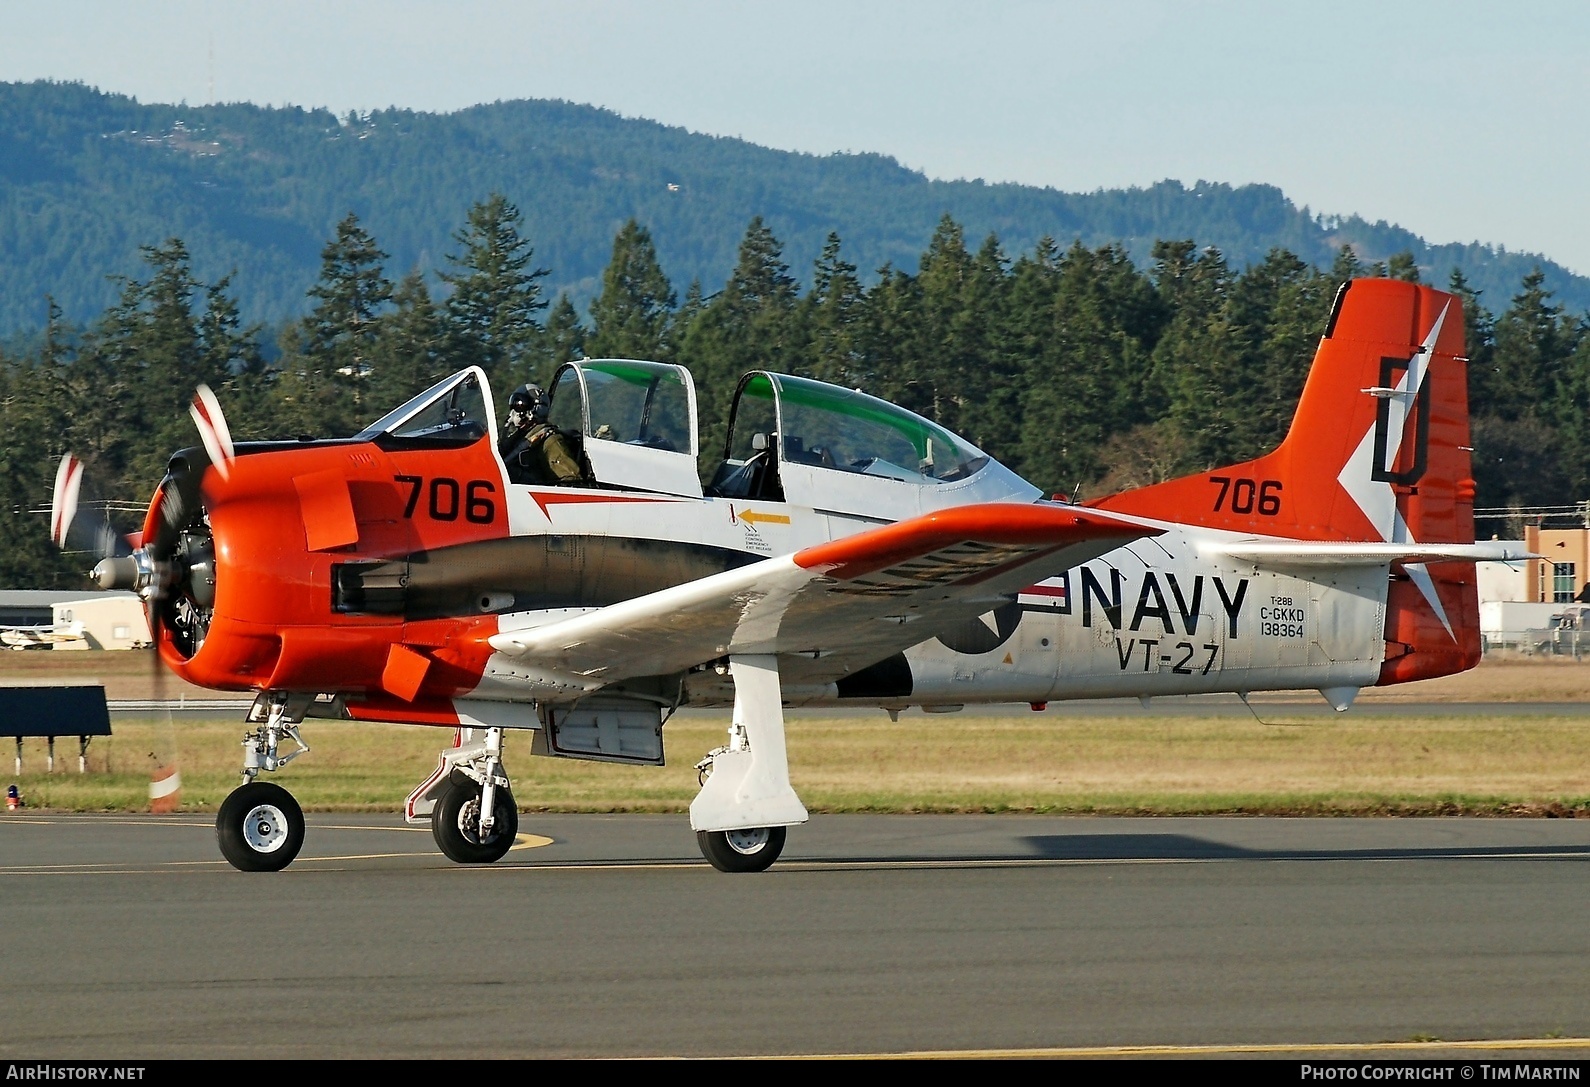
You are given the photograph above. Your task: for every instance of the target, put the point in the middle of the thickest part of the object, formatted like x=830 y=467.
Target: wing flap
x=857 y=599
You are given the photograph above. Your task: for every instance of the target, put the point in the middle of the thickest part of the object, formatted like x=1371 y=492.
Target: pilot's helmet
x=529 y=401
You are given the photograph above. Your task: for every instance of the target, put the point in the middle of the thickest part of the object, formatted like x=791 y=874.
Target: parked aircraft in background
x=846 y=551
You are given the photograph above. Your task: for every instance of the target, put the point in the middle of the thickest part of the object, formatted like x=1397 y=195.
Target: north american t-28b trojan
x=845 y=552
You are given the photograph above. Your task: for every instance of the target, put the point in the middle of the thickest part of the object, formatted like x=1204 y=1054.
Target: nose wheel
x=260 y=827
x=751 y=850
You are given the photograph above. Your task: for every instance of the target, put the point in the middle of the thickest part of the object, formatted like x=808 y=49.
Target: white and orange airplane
x=846 y=552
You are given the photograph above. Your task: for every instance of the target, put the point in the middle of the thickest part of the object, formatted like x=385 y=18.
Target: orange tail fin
x=1378 y=452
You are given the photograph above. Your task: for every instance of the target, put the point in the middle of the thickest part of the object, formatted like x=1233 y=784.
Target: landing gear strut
x=746 y=801
x=473 y=816
x=260 y=827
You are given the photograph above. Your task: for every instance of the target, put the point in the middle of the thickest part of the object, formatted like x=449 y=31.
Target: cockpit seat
x=756 y=477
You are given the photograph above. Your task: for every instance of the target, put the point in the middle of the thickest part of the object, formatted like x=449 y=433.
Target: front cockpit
x=634 y=423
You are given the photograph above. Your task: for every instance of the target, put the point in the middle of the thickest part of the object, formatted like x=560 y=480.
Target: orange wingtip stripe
x=992 y=523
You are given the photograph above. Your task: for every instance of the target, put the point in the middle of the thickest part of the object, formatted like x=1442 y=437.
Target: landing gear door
x=638 y=422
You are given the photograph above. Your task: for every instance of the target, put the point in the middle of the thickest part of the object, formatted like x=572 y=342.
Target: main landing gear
x=746 y=802
x=740 y=816
x=471 y=808
x=260 y=826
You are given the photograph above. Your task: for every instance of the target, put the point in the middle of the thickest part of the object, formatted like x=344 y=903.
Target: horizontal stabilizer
x=1292 y=554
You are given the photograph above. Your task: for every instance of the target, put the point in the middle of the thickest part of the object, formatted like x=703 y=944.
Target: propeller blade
x=63 y=502
x=79 y=524
x=213 y=431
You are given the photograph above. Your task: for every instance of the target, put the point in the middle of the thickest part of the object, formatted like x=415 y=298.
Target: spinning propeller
x=174 y=570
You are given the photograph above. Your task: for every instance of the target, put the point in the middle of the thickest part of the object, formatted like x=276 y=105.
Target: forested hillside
x=87 y=178
x=1077 y=365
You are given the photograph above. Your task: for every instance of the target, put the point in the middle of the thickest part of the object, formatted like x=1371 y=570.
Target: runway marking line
x=1507 y=1044
x=521 y=841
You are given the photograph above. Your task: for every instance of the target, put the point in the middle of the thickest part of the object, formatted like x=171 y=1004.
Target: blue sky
x=1461 y=121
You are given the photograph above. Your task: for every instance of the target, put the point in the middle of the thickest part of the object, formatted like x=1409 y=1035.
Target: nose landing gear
x=260 y=827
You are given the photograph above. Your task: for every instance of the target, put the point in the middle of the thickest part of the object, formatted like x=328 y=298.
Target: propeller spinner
x=174 y=571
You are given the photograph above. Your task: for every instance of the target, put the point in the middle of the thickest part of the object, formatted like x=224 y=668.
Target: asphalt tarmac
x=125 y=937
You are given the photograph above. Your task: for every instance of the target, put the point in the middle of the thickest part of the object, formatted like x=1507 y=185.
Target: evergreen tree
x=1085 y=386
x=1347 y=266
x=886 y=337
x=565 y=338
x=748 y=326
x=1479 y=333
x=1199 y=350
x=830 y=313
x=629 y=319
x=1403 y=266
x=35 y=414
x=350 y=296
x=1278 y=308
x=328 y=357
x=496 y=295
x=1532 y=340
x=1570 y=410
x=410 y=350
x=139 y=365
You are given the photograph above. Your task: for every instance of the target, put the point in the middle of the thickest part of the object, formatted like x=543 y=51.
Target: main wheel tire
x=455 y=824
x=752 y=850
x=260 y=827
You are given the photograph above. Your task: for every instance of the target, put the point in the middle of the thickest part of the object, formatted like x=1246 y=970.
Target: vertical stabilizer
x=1378 y=451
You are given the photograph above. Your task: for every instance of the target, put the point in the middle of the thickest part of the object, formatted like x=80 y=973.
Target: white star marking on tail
x=1375 y=497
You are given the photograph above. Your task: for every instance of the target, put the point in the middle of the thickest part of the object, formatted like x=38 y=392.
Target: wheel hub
x=747 y=841
x=265 y=828
x=469 y=823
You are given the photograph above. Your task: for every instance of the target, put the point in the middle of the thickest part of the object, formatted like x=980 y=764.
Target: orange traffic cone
x=165 y=791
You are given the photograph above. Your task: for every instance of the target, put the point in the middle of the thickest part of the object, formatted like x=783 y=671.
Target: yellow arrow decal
x=769 y=518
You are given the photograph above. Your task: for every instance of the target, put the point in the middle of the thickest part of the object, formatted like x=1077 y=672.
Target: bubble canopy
x=849 y=431
x=634 y=420
x=844 y=450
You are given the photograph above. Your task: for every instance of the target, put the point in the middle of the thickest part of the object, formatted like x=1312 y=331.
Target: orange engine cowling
x=257 y=595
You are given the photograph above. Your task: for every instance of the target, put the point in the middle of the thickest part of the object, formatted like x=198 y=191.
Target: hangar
x=72 y=619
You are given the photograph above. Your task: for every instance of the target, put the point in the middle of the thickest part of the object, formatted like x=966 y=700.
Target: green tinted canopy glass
x=849 y=431
x=641 y=403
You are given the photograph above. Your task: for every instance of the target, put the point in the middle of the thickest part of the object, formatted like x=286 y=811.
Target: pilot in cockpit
x=535 y=451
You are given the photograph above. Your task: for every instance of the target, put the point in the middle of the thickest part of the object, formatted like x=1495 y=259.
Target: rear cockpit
x=819 y=445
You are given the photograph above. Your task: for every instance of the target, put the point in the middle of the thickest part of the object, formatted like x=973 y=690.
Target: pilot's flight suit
x=540 y=454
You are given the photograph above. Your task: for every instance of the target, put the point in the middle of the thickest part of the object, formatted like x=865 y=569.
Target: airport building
x=1539 y=605
x=72 y=619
